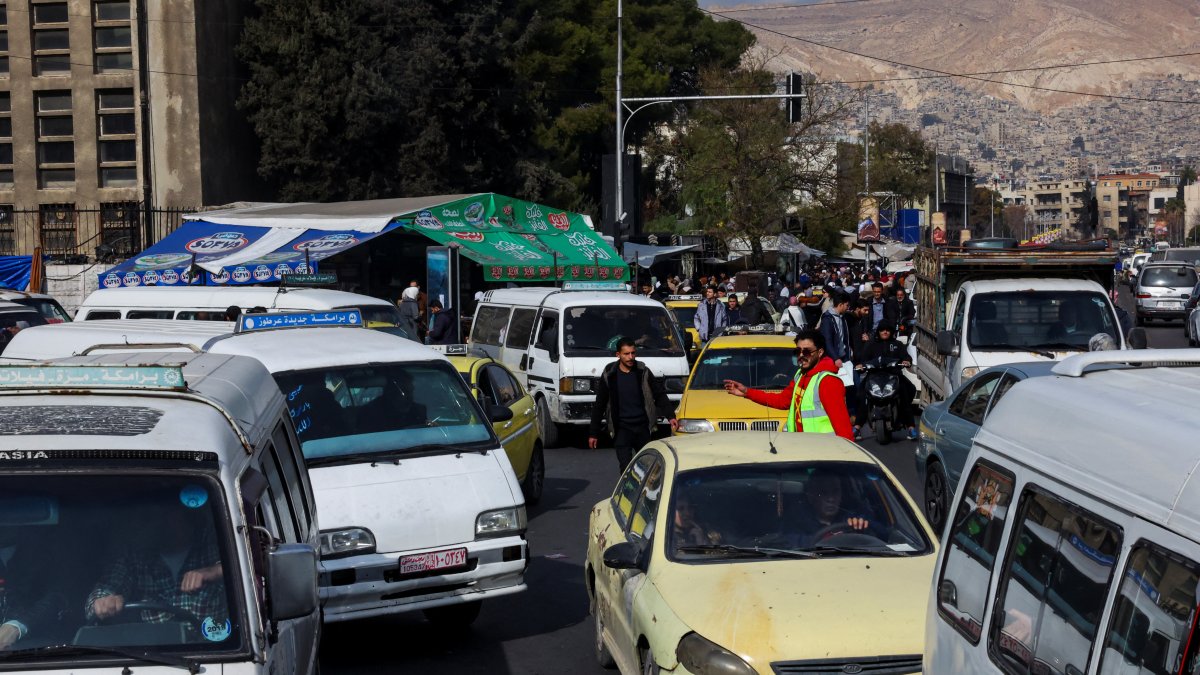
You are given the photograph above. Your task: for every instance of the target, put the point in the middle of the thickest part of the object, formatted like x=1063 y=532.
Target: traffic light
x=795 y=106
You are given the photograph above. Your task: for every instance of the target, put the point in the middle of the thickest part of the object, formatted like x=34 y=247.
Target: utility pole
x=618 y=213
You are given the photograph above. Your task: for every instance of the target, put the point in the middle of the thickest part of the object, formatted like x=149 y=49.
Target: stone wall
x=70 y=284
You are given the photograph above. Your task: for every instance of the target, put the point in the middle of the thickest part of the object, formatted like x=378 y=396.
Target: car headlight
x=576 y=385
x=694 y=426
x=350 y=541
x=674 y=385
x=968 y=373
x=702 y=657
x=500 y=522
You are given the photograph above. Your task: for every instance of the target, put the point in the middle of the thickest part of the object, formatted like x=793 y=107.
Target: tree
x=986 y=214
x=1186 y=178
x=901 y=162
x=740 y=168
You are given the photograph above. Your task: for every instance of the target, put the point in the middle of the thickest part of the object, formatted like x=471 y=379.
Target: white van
x=558 y=342
x=210 y=302
x=124 y=479
x=110 y=336
x=420 y=505
x=1075 y=544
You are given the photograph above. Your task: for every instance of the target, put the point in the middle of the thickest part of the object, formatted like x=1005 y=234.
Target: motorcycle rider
x=886 y=346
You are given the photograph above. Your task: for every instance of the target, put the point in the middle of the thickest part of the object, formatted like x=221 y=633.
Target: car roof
x=1168 y=263
x=7 y=293
x=1024 y=283
x=6 y=306
x=464 y=363
x=68 y=339
x=1089 y=430
x=287 y=349
x=556 y=298
x=752 y=340
x=723 y=448
x=220 y=297
x=1023 y=368
x=240 y=386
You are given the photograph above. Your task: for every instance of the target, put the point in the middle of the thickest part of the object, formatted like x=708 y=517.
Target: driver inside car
x=826 y=513
x=172 y=574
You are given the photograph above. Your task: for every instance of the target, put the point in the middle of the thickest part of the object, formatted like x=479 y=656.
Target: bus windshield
x=351 y=413
x=589 y=330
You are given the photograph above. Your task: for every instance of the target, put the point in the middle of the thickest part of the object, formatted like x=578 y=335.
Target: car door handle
x=507 y=425
x=528 y=412
x=529 y=363
x=524 y=361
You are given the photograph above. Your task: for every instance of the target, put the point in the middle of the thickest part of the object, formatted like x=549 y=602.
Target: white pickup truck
x=983 y=307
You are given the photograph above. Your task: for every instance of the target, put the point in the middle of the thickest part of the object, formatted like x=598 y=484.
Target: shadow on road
x=556 y=493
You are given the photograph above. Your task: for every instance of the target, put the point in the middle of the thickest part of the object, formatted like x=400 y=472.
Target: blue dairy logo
x=262 y=273
x=215 y=632
x=193 y=496
x=241 y=275
x=113 y=280
x=220 y=243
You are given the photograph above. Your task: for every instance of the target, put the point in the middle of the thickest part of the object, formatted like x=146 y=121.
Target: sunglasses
x=806 y=351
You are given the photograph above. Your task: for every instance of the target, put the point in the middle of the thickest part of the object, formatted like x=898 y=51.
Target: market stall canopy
x=646 y=255
x=513 y=239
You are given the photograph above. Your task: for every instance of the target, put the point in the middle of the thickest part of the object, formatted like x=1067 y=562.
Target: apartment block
x=1058 y=203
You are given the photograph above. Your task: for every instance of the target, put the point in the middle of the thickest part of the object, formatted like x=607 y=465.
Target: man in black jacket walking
x=633 y=399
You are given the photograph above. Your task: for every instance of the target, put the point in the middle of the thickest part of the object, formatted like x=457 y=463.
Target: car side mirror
x=498 y=413
x=947 y=343
x=948 y=593
x=1137 y=339
x=623 y=556
x=293 y=581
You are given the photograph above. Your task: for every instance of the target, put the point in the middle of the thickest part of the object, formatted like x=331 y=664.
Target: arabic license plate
x=1170 y=304
x=436 y=560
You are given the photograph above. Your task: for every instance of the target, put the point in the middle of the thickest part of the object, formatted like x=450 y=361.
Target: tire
x=603 y=656
x=935 y=503
x=649 y=667
x=454 y=616
x=535 y=477
x=883 y=435
x=546 y=426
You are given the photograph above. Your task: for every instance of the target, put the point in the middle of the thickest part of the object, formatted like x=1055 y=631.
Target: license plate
x=1173 y=304
x=436 y=560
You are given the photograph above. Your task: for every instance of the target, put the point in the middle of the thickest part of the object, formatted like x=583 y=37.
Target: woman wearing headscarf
x=410 y=311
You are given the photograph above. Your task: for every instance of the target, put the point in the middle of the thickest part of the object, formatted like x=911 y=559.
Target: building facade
x=116 y=115
x=1123 y=202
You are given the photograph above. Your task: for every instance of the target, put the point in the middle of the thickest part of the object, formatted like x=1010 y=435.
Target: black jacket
x=607 y=405
x=892 y=348
x=753 y=311
x=891 y=312
x=442 y=331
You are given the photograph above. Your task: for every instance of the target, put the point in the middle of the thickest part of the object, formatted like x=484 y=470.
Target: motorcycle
x=881 y=387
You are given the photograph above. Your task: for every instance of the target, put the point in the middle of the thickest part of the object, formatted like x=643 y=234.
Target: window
x=1154 y=611
x=8 y=234
x=279 y=495
x=972 y=404
x=281 y=451
x=641 y=525
x=99 y=314
x=547 y=337
x=113 y=38
x=502 y=388
x=57 y=223
x=1053 y=587
x=1108 y=198
x=51 y=39
x=629 y=487
x=117 y=156
x=55 y=142
x=44 y=13
x=6 y=146
x=971 y=548
x=55 y=126
x=490 y=324
x=520 y=328
x=53 y=101
x=150 y=314
x=4 y=47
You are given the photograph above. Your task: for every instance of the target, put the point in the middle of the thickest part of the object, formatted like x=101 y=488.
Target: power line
x=946 y=74
x=791 y=6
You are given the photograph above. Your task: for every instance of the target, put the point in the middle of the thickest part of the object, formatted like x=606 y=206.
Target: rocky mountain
x=979 y=36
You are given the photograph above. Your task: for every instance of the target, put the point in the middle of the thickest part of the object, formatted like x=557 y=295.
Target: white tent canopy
x=646 y=255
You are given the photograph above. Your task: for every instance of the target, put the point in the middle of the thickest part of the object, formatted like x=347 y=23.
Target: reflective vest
x=812 y=412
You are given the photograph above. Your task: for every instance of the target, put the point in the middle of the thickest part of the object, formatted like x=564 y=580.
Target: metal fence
x=108 y=233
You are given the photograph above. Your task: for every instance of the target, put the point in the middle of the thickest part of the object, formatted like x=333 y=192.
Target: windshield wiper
x=1017 y=348
x=386 y=455
x=144 y=655
x=1064 y=345
x=823 y=550
x=756 y=552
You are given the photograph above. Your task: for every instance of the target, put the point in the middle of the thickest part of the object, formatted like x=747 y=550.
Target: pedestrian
x=422 y=308
x=834 y=330
x=884 y=309
x=908 y=312
x=733 y=311
x=815 y=398
x=778 y=303
x=233 y=313
x=753 y=311
x=633 y=399
x=793 y=319
x=710 y=315
x=410 y=312
x=441 y=331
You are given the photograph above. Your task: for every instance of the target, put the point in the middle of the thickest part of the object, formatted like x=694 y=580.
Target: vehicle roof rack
x=1076 y=366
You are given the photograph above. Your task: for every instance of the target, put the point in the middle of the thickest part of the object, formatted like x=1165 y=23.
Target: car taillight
x=1143 y=295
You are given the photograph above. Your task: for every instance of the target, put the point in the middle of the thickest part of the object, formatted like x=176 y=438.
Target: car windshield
x=686 y=316
x=352 y=412
x=818 y=508
x=50 y=310
x=589 y=330
x=1168 y=276
x=112 y=562
x=1017 y=320
x=756 y=367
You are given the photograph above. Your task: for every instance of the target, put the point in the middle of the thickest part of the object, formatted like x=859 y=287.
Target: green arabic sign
x=515 y=240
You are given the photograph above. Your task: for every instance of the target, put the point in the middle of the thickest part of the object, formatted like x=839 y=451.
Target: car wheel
x=454 y=616
x=603 y=656
x=546 y=426
x=935 y=496
x=883 y=435
x=535 y=477
x=649 y=667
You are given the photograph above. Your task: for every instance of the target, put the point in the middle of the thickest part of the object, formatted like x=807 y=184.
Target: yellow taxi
x=683 y=308
x=491 y=380
x=755 y=554
x=757 y=360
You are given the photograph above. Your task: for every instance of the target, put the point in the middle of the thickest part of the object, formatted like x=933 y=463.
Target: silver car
x=1191 y=324
x=1163 y=290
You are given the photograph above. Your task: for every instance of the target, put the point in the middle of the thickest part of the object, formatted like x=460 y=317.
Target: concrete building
x=1059 y=203
x=115 y=114
x=1123 y=202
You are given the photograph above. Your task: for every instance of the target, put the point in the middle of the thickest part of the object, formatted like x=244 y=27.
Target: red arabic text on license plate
x=436 y=560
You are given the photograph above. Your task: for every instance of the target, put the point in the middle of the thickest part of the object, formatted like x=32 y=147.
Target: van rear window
x=88 y=420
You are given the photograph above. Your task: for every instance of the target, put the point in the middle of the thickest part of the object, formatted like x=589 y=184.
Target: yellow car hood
x=785 y=610
x=715 y=404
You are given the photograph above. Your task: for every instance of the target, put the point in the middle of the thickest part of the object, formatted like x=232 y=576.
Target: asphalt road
x=546 y=630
